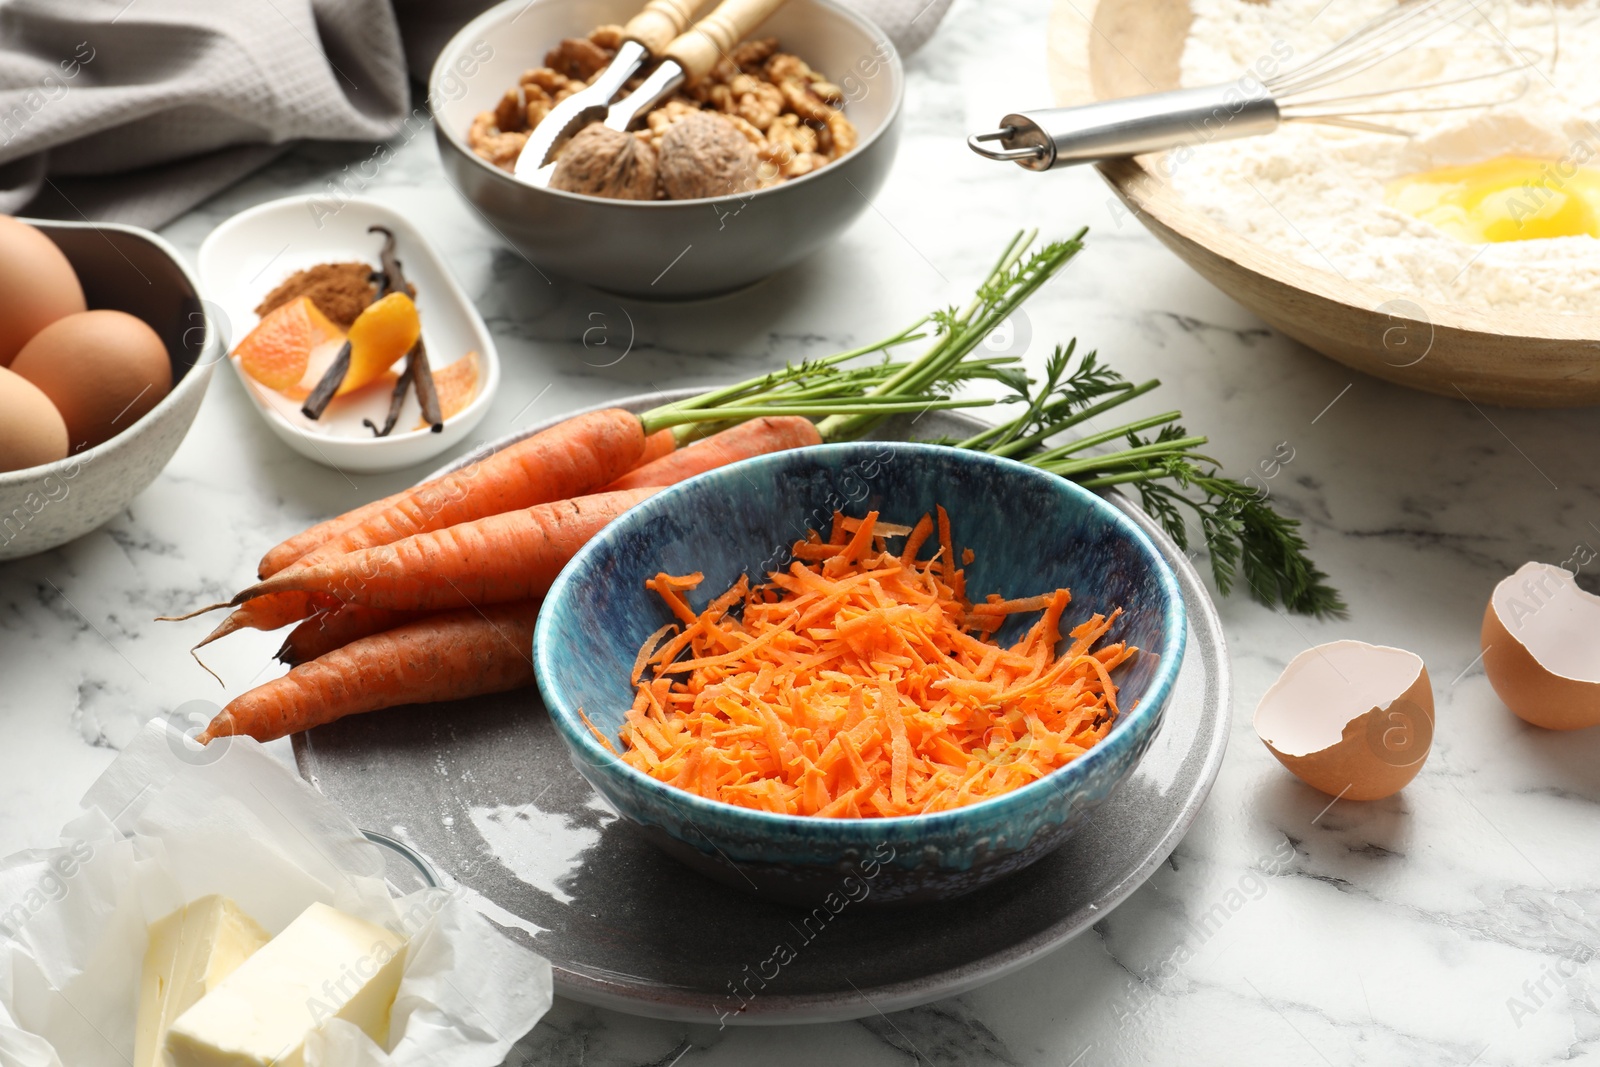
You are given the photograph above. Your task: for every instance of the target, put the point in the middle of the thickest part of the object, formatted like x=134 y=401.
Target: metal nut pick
x=577 y=111
x=660 y=84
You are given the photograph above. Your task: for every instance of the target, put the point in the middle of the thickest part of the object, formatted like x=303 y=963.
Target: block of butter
x=190 y=952
x=324 y=965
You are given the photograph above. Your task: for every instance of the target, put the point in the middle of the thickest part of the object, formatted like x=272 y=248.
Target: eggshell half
x=1541 y=647
x=37 y=286
x=1351 y=719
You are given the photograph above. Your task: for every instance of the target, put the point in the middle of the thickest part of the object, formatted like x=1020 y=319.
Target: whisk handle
x=1064 y=136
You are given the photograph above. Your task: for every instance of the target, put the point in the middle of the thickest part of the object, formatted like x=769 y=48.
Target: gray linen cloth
x=136 y=110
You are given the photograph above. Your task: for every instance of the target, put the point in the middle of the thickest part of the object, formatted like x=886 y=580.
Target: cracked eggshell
x=1351 y=719
x=1541 y=647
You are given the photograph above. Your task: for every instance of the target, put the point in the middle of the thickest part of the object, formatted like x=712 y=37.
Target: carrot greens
x=1154 y=456
x=1245 y=537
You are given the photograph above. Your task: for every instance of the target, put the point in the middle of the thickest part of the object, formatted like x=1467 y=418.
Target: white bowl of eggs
x=105 y=355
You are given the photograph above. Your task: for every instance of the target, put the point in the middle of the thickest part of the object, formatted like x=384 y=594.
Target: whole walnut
x=705 y=155
x=601 y=161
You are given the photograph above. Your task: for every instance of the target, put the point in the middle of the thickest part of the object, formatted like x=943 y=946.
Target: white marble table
x=1452 y=924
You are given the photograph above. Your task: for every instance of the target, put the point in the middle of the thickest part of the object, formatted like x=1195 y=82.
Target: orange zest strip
x=861 y=683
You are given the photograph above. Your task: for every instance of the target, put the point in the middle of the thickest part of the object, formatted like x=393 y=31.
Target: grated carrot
x=861 y=682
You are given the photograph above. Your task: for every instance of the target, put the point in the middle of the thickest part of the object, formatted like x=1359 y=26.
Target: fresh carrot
x=754 y=438
x=571 y=458
x=661 y=443
x=861 y=682
x=287 y=552
x=451 y=656
x=280 y=556
x=663 y=468
x=501 y=558
x=336 y=627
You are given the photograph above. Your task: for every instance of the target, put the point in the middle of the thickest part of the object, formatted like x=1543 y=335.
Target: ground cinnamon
x=341 y=291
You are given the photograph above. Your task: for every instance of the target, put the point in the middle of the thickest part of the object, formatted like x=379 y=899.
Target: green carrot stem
x=1049 y=262
x=661 y=419
x=935 y=356
x=1078 y=444
x=738 y=389
x=1122 y=395
x=966 y=331
x=1141 y=454
x=1146 y=474
x=1041 y=398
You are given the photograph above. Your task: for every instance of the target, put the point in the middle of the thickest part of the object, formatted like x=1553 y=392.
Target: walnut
x=577 y=57
x=759 y=103
x=539 y=104
x=704 y=155
x=509 y=113
x=828 y=92
x=607 y=37
x=550 y=81
x=790 y=150
x=601 y=161
x=752 y=54
x=751 y=132
x=667 y=114
x=841 y=134
x=803 y=102
x=791 y=133
x=501 y=149
x=783 y=67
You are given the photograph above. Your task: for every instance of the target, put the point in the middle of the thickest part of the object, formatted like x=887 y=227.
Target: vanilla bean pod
x=417 y=358
x=397 y=399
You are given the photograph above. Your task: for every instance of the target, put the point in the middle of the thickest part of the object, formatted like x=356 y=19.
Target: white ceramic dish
x=132 y=270
x=247 y=256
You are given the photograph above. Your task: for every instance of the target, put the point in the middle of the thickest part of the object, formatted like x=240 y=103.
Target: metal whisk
x=1060 y=137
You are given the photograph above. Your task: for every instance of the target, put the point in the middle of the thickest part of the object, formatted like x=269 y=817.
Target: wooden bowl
x=1103 y=49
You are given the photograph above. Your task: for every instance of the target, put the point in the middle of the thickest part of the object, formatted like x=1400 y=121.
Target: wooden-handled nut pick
x=689 y=57
x=647 y=34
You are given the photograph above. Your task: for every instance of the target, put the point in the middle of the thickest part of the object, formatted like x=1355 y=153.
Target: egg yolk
x=1511 y=198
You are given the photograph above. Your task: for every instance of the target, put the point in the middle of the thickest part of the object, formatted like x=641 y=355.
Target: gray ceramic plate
x=484 y=790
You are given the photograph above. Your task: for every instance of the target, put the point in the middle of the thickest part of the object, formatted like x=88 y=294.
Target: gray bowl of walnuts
x=733 y=178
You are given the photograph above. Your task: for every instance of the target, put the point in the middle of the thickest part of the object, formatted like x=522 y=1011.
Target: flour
x=1315 y=193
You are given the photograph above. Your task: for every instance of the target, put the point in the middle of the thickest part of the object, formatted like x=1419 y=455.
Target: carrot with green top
x=658 y=444
x=661 y=443
x=758 y=437
x=501 y=558
x=569 y=459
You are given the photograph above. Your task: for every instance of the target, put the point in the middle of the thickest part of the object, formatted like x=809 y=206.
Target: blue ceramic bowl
x=1031 y=532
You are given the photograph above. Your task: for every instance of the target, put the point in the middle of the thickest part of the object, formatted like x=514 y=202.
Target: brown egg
x=1351 y=719
x=31 y=429
x=102 y=369
x=37 y=286
x=1541 y=647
